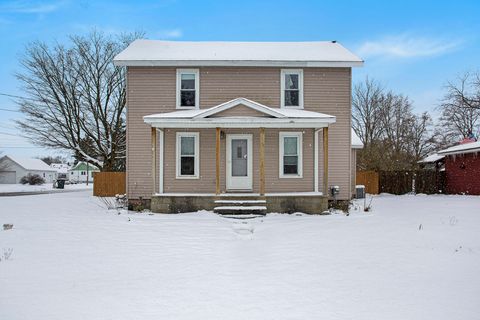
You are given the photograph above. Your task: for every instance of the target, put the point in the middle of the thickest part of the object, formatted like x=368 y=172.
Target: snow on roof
x=462 y=148
x=60 y=167
x=356 y=142
x=31 y=164
x=432 y=158
x=144 y=52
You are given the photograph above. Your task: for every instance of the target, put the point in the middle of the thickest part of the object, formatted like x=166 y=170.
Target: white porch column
x=154 y=158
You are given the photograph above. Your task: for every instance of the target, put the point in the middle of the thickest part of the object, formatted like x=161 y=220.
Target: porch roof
x=274 y=117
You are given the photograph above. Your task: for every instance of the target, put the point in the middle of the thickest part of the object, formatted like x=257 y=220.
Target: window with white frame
x=292 y=88
x=187 y=155
x=290 y=154
x=188 y=95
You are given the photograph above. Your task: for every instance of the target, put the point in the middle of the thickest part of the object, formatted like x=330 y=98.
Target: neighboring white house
x=12 y=169
x=79 y=172
x=62 y=169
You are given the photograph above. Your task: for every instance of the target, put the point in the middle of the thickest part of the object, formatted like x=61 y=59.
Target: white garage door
x=7 y=177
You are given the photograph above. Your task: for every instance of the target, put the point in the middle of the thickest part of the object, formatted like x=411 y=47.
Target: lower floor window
x=290 y=146
x=187 y=154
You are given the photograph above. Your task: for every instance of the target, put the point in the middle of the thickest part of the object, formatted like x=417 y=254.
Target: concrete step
x=240 y=209
x=240 y=202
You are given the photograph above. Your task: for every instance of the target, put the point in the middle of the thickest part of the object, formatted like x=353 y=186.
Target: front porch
x=204 y=158
x=307 y=202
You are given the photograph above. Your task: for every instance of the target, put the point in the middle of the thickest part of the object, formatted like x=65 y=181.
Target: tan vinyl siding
x=153 y=90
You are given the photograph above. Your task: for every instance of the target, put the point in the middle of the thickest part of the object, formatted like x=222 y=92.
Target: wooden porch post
x=325 y=161
x=262 y=161
x=315 y=159
x=154 y=158
x=160 y=160
x=217 y=161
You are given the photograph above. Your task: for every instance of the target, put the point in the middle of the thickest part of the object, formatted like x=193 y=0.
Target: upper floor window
x=292 y=88
x=188 y=95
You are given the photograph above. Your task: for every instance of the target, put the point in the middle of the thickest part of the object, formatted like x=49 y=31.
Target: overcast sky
x=411 y=47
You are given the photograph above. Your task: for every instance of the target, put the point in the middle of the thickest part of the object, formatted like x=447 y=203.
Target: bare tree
x=421 y=139
x=460 y=108
x=394 y=137
x=75 y=98
x=366 y=107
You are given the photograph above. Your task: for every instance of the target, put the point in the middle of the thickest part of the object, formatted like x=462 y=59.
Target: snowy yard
x=413 y=257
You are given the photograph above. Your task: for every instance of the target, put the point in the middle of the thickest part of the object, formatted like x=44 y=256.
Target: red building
x=462 y=168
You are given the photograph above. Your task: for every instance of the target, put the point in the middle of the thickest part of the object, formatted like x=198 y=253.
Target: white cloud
x=407 y=46
x=22 y=6
x=169 y=34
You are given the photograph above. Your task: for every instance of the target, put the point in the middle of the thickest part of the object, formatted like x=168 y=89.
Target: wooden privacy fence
x=369 y=179
x=401 y=182
x=108 y=184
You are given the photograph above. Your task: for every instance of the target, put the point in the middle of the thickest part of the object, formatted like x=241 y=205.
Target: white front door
x=239 y=162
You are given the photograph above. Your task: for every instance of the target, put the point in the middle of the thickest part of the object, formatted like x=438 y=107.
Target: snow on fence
x=108 y=184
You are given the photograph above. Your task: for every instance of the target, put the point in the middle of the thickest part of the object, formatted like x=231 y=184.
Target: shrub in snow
x=32 y=179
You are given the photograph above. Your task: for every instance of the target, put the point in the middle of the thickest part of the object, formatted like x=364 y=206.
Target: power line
x=19 y=147
x=9 y=134
x=3 y=109
x=16 y=97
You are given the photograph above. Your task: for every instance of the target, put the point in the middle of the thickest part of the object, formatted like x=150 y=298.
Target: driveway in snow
x=412 y=257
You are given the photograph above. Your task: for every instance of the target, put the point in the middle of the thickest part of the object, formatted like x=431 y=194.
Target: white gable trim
x=239 y=101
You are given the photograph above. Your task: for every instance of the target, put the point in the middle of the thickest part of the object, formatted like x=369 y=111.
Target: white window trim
x=284 y=72
x=299 y=136
x=196 y=174
x=196 y=72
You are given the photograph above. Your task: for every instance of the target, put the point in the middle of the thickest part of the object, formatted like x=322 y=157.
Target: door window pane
x=239 y=157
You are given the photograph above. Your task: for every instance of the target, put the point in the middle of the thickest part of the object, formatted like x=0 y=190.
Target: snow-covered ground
x=44 y=187
x=412 y=257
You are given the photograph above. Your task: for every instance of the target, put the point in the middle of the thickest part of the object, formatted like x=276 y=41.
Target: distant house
x=462 y=168
x=81 y=171
x=62 y=170
x=12 y=169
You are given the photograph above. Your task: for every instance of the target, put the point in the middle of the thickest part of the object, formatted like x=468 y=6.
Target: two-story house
x=238 y=126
